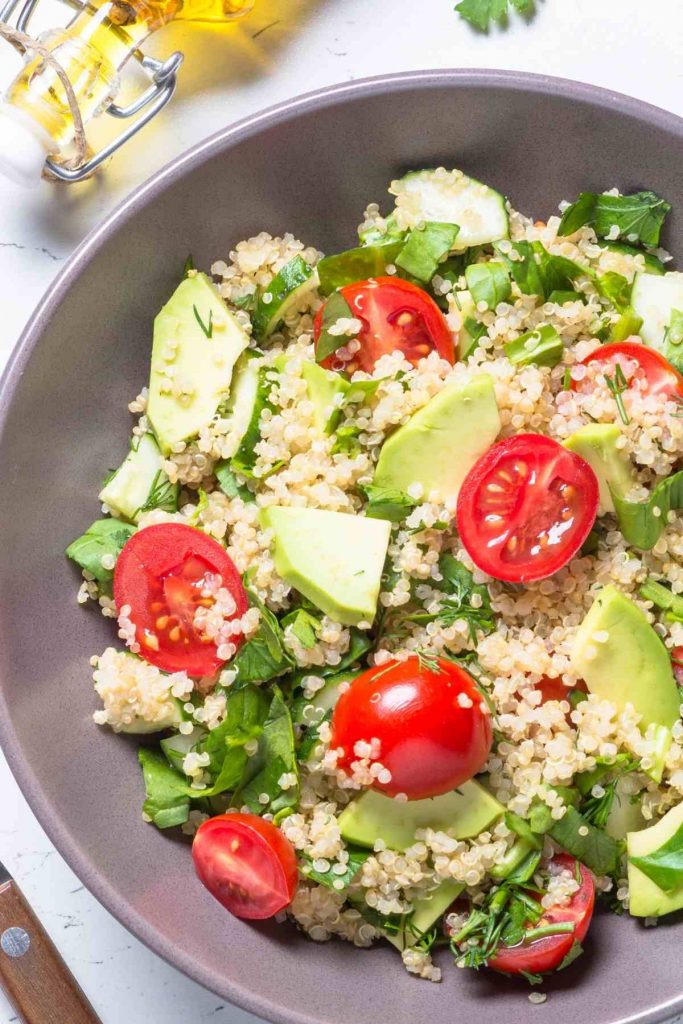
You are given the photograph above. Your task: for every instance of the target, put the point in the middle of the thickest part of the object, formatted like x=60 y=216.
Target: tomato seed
x=162 y=622
x=174 y=634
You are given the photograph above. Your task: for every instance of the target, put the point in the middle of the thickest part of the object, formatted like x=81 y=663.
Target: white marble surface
x=283 y=48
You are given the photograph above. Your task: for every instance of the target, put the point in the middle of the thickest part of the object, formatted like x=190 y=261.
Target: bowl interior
x=309 y=168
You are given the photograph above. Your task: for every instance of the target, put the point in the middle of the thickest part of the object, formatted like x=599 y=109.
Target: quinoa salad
x=394 y=562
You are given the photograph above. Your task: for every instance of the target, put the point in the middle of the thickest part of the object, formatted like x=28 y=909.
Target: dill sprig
x=206 y=328
x=617 y=385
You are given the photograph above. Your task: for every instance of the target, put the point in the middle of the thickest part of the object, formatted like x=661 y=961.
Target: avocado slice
x=597 y=444
x=465 y=812
x=646 y=898
x=323 y=386
x=332 y=558
x=631 y=666
x=625 y=814
x=439 y=445
x=426 y=912
x=198 y=340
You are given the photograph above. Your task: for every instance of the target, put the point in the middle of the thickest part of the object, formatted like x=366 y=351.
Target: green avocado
x=464 y=813
x=625 y=814
x=597 y=444
x=627 y=663
x=646 y=897
x=323 y=386
x=332 y=558
x=439 y=445
x=197 y=342
x=426 y=912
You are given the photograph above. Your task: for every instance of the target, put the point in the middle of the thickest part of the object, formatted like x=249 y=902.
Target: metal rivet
x=15 y=942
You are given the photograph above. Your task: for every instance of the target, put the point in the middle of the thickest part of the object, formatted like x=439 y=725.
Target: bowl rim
x=483 y=78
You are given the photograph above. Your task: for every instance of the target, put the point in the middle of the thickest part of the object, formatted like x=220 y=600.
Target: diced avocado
x=442 y=441
x=140 y=482
x=646 y=898
x=597 y=444
x=450 y=197
x=243 y=395
x=332 y=558
x=622 y=659
x=464 y=813
x=426 y=912
x=654 y=298
x=323 y=386
x=289 y=286
x=625 y=813
x=197 y=342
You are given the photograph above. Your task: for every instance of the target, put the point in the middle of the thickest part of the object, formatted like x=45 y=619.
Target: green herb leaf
x=573 y=954
x=359 y=645
x=459 y=588
x=618 y=384
x=188 y=265
x=664 y=866
x=388 y=503
x=245 y=715
x=207 y=328
x=264 y=656
x=533 y=979
x=475 y=332
x=162 y=494
x=616 y=289
x=276 y=756
x=304 y=626
x=542 y=347
x=168 y=792
x=357 y=858
x=336 y=307
x=638 y=217
x=357 y=264
x=642 y=522
x=346 y=440
x=481 y=13
x=228 y=482
x=595 y=849
x=488 y=282
x=104 y=537
x=424 y=249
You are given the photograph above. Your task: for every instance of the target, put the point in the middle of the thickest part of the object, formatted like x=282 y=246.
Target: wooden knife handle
x=36 y=979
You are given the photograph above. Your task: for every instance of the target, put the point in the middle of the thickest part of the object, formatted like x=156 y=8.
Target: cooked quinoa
x=541 y=746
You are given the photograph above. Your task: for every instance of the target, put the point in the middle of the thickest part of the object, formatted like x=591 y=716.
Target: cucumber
x=141 y=727
x=176 y=747
x=140 y=483
x=283 y=293
x=323 y=700
x=653 y=265
x=243 y=395
x=654 y=298
x=450 y=197
x=245 y=457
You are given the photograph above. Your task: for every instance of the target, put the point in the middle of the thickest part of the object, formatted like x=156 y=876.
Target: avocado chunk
x=627 y=663
x=426 y=912
x=647 y=899
x=439 y=445
x=597 y=444
x=332 y=558
x=197 y=342
x=463 y=813
x=625 y=814
x=323 y=386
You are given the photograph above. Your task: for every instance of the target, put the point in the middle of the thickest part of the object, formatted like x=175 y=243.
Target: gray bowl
x=307 y=166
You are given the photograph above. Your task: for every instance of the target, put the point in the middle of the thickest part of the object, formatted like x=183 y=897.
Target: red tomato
x=395 y=315
x=677 y=664
x=546 y=954
x=160 y=575
x=247 y=864
x=526 y=507
x=554 y=689
x=428 y=741
x=640 y=365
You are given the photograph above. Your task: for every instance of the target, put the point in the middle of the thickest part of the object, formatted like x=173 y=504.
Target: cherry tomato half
x=526 y=507
x=642 y=367
x=395 y=315
x=433 y=726
x=247 y=864
x=160 y=575
x=677 y=664
x=547 y=953
x=554 y=688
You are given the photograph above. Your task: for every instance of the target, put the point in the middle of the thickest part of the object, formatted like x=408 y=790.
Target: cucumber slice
x=450 y=197
x=245 y=457
x=654 y=298
x=140 y=483
x=177 y=746
x=283 y=293
x=141 y=727
x=243 y=396
x=323 y=700
x=653 y=265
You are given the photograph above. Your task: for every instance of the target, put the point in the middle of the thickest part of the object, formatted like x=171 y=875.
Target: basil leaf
x=470 y=338
x=542 y=347
x=335 y=308
x=573 y=954
x=357 y=858
x=104 y=537
x=357 y=264
x=638 y=217
x=264 y=656
x=275 y=757
x=562 y=297
x=524 y=269
x=168 y=792
x=488 y=282
x=639 y=521
x=387 y=503
x=246 y=712
x=557 y=272
x=304 y=626
x=595 y=849
x=673 y=340
x=616 y=288
x=228 y=483
x=359 y=645
x=424 y=249
x=665 y=865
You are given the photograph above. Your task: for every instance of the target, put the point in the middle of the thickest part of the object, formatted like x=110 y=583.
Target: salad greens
x=105 y=537
x=637 y=218
x=481 y=14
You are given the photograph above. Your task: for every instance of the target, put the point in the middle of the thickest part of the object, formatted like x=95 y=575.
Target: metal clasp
x=163 y=78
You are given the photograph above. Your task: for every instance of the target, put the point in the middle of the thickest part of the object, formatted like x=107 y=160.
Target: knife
x=37 y=981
